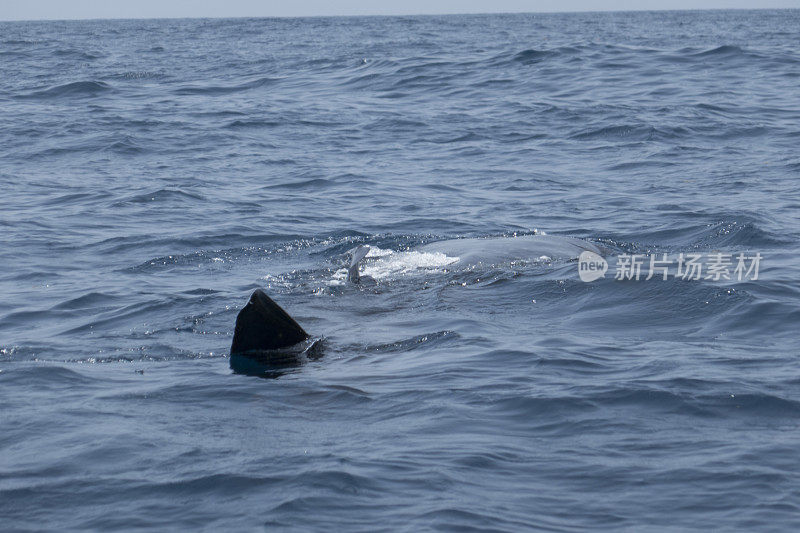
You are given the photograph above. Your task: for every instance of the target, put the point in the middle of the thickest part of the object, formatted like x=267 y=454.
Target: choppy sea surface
x=154 y=173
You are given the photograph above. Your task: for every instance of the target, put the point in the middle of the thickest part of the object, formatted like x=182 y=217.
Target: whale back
x=497 y=250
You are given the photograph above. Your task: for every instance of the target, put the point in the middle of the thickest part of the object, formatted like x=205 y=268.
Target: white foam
x=382 y=264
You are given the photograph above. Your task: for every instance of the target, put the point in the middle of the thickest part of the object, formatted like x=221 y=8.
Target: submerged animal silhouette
x=490 y=250
x=266 y=337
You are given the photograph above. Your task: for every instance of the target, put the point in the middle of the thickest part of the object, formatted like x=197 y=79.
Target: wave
x=125 y=146
x=202 y=257
x=704 y=405
x=222 y=90
x=76 y=54
x=704 y=233
x=628 y=132
x=87 y=301
x=313 y=183
x=162 y=196
x=253 y=247
x=253 y=123
x=722 y=51
x=72 y=90
x=531 y=56
x=254 y=240
x=43 y=377
x=737 y=234
x=139 y=75
x=426 y=341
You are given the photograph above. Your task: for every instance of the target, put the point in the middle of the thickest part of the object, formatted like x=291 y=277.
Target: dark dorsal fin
x=263 y=325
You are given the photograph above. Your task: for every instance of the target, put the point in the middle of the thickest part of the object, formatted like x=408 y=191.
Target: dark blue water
x=154 y=173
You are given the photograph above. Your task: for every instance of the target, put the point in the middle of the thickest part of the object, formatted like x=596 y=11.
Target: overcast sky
x=82 y=9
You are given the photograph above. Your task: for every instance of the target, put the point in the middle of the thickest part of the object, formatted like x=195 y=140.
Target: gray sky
x=82 y=9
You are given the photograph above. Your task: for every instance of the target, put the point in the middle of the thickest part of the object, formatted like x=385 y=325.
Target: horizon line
x=390 y=15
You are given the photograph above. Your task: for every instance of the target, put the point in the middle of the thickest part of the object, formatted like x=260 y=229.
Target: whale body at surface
x=465 y=253
x=266 y=339
x=497 y=250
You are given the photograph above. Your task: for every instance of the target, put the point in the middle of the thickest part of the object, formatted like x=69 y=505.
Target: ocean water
x=154 y=173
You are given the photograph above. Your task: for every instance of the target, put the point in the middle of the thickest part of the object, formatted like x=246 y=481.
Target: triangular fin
x=264 y=325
